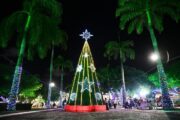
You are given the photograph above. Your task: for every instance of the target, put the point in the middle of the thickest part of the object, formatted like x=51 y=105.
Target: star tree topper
x=86 y=85
x=86 y=35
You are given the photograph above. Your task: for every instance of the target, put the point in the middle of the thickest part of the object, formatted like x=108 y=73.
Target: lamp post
x=166 y=100
x=51 y=84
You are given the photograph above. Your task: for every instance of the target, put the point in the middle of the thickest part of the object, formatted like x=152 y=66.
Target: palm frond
x=158 y=23
x=127 y=8
x=130 y=53
x=42 y=50
x=11 y=25
x=126 y=44
x=121 y=2
x=132 y=25
x=46 y=7
x=122 y=49
x=125 y=18
x=30 y=53
x=111 y=49
x=139 y=26
x=132 y=12
x=169 y=12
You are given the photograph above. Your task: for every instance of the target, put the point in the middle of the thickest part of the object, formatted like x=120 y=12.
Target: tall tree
x=62 y=64
x=34 y=26
x=149 y=13
x=123 y=50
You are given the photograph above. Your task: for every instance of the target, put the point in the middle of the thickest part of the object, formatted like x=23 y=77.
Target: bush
x=19 y=106
x=26 y=106
x=177 y=102
x=3 y=106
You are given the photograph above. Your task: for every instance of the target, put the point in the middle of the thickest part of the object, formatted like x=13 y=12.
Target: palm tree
x=61 y=40
x=61 y=64
x=123 y=50
x=35 y=26
x=149 y=13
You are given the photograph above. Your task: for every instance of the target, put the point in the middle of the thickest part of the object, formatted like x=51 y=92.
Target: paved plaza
x=112 y=114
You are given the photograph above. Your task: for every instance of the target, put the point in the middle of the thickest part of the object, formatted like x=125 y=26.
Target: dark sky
x=98 y=16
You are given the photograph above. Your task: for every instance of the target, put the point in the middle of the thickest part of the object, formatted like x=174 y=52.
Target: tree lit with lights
x=34 y=30
x=85 y=94
x=149 y=13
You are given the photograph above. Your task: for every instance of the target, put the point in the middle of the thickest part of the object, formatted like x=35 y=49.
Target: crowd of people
x=110 y=103
x=130 y=103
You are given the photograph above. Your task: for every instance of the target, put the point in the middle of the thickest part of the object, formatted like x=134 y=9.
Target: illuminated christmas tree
x=85 y=94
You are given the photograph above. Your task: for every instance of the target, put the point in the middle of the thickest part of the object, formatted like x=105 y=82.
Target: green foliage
x=136 y=78
x=173 y=75
x=113 y=49
x=110 y=78
x=33 y=84
x=30 y=84
x=42 y=31
x=62 y=63
x=133 y=13
x=55 y=94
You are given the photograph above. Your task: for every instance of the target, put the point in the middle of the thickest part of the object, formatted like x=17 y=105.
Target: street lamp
x=51 y=84
x=154 y=57
x=166 y=100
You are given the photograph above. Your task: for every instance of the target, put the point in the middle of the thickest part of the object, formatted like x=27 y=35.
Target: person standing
x=64 y=102
x=54 y=105
x=115 y=103
x=106 y=103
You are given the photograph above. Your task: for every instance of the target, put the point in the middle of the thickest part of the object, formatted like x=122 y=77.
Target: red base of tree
x=90 y=108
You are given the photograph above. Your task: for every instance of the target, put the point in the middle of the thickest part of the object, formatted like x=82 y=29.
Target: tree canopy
x=134 y=78
x=42 y=29
x=123 y=49
x=173 y=75
x=133 y=13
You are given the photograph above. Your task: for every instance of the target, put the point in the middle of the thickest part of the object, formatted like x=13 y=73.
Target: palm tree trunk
x=109 y=89
x=61 y=86
x=18 y=71
x=123 y=81
x=166 y=101
x=50 y=80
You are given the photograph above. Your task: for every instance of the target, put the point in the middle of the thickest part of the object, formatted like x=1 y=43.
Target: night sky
x=98 y=16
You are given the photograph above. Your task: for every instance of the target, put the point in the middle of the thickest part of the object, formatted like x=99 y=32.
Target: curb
x=28 y=112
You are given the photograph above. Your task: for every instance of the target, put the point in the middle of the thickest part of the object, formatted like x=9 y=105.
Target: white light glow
x=79 y=68
x=154 y=56
x=135 y=96
x=144 y=91
x=86 y=55
x=86 y=35
x=51 y=84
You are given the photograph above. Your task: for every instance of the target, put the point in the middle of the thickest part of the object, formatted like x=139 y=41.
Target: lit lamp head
x=51 y=84
x=154 y=57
